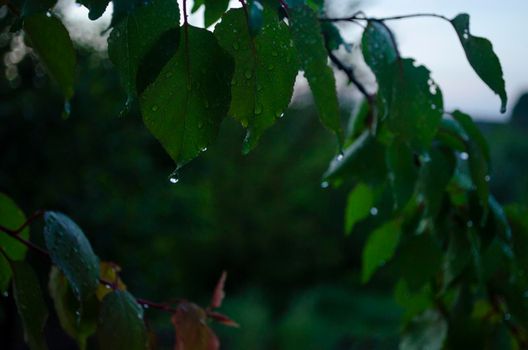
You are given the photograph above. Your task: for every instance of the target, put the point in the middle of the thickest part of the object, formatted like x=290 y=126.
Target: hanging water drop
x=340 y=157
x=373 y=211
x=464 y=156
x=174 y=177
x=325 y=184
x=204 y=149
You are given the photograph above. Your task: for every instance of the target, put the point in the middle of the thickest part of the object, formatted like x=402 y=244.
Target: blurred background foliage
x=294 y=279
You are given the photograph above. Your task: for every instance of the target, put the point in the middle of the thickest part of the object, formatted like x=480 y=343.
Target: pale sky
x=430 y=41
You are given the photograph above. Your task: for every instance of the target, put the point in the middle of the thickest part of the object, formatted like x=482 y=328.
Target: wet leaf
x=480 y=54
x=184 y=106
x=51 y=41
x=96 y=7
x=426 y=331
x=30 y=304
x=265 y=71
x=72 y=253
x=78 y=320
x=403 y=172
x=307 y=38
x=120 y=324
x=360 y=201
x=380 y=247
x=109 y=272
x=132 y=39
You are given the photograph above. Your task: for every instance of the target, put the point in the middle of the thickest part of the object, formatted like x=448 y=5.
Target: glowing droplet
x=464 y=156
x=154 y=108
x=325 y=184
x=373 y=211
x=340 y=157
x=174 y=177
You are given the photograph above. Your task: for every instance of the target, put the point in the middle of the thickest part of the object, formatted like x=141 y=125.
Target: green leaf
x=380 y=53
x=333 y=37
x=426 y=331
x=364 y=159
x=78 y=321
x=11 y=217
x=183 y=108
x=414 y=302
x=265 y=71
x=480 y=54
x=479 y=156
x=137 y=34
x=51 y=41
x=214 y=9
x=416 y=109
x=96 y=7
x=255 y=17
x=473 y=132
x=30 y=304
x=72 y=253
x=380 y=248
x=418 y=260
x=436 y=172
x=120 y=324
x=518 y=219
x=307 y=38
x=403 y=172
x=359 y=202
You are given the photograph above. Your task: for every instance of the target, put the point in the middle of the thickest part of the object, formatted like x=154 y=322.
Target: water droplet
x=5 y=294
x=464 y=156
x=325 y=184
x=507 y=316
x=48 y=13
x=487 y=178
x=204 y=149
x=373 y=211
x=469 y=224
x=174 y=177
x=154 y=108
x=145 y=306
x=340 y=157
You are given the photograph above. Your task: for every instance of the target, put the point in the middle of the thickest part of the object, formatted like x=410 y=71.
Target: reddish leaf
x=223 y=319
x=192 y=332
x=219 y=294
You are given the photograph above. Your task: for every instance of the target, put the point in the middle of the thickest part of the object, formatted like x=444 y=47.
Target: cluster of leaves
x=88 y=294
x=452 y=244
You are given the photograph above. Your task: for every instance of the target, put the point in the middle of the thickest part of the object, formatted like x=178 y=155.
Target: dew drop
x=204 y=149
x=174 y=177
x=373 y=211
x=464 y=156
x=325 y=184
x=469 y=224
x=340 y=157
x=487 y=178
x=154 y=108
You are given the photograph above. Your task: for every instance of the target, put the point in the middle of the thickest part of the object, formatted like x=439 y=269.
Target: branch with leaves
x=421 y=173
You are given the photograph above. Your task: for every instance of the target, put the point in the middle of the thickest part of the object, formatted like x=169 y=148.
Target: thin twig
x=351 y=76
x=359 y=16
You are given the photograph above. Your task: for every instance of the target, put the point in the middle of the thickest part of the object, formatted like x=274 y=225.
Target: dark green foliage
x=484 y=61
x=120 y=324
x=51 y=41
x=11 y=217
x=417 y=177
x=30 y=304
x=265 y=71
x=184 y=106
x=137 y=34
x=309 y=42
